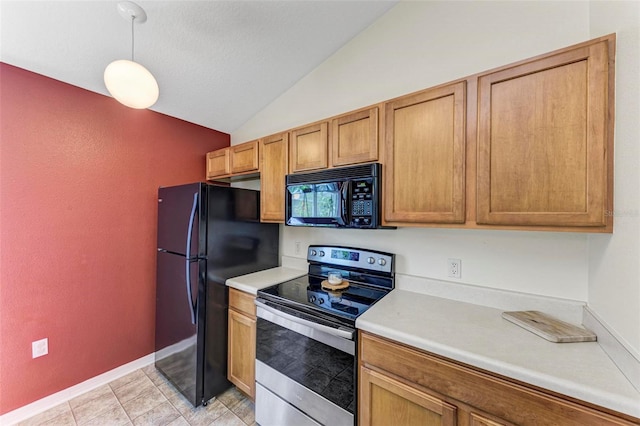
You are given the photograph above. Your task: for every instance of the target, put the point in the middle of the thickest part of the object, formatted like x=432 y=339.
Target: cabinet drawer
x=242 y=302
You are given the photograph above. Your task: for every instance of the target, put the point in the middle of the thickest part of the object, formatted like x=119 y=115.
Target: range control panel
x=352 y=257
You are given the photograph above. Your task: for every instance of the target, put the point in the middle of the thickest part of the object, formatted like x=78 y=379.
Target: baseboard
x=41 y=405
x=623 y=356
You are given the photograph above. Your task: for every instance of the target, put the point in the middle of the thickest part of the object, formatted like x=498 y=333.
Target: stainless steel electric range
x=306 y=360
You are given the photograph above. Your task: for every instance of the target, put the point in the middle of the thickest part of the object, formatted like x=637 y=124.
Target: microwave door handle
x=343 y=198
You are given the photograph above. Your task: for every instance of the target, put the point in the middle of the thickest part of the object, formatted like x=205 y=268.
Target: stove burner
x=364 y=283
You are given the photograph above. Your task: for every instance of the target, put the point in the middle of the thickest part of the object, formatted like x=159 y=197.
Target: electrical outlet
x=39 y=348
x=297 y=247
x=455 y=268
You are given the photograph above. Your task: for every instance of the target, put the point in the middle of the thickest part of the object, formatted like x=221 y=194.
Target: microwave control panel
x=362 y=203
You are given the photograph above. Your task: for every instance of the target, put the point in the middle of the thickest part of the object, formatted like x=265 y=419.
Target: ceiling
x=217 y=62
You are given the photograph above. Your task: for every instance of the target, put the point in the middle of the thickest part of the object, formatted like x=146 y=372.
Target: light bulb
x=131 y=84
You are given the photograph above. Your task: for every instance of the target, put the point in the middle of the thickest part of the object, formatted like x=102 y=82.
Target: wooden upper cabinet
x=354 y=138
x=309 y=148
x=543 y=140
x=274 y=163
x=425 y=156
x=237 y=159
x=244 y=157
x=218 y=163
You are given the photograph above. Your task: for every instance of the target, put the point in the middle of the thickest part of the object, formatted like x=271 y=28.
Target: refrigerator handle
x=187 y=272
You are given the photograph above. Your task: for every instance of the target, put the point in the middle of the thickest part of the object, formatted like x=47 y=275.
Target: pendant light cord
x=133 y=18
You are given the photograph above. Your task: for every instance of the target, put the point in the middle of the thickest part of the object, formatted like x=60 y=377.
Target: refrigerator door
x=180 y=323
x=178 y=224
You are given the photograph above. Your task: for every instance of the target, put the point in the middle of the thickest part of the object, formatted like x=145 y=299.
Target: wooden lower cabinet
x=401 y=385
x=386 y=401
x=241 y=355
x=476 y=419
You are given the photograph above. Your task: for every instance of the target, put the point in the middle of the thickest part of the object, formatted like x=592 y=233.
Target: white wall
x=531 y=262
x=614 y=261
x=420 y=44
x=414 y=46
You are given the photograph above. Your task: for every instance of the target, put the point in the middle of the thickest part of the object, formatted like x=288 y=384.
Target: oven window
x=317 y=366
x=315 y=200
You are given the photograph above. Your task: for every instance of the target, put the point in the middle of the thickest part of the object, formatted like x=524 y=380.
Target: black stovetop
x=306 y=293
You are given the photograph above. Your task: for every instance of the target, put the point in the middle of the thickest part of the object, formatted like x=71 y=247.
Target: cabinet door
x=542 y=141
x=273 y=169
x=386 y=401
x=244 y=157
x=354 y=138
x=242 y=352
x=425 y=156
x=309 y=148
x=218 y=163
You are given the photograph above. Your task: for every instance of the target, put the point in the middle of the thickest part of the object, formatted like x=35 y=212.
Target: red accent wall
x=78 y=192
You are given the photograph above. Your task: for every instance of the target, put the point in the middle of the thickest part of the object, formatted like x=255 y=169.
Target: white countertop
x=251 y=283
x=478 y=336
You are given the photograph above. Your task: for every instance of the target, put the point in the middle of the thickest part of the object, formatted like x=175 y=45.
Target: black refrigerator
x=206 y=234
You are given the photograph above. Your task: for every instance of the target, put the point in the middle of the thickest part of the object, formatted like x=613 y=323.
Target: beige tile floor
x=145 y=397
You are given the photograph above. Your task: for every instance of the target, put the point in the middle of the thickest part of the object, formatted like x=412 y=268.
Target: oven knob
x=320 y=301
x=382 y=262
x=313 y=252
x=321 y=253
x=371 y=260
x=312 y=299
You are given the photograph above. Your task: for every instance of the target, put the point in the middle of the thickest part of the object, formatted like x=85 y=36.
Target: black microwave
x=345 y=197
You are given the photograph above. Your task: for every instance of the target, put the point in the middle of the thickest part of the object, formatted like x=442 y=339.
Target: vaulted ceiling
x=217 y=62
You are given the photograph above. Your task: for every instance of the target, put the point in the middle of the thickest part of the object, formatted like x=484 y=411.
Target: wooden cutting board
x=549 y=327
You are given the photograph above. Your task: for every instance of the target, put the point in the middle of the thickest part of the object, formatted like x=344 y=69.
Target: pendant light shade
x=130 y=83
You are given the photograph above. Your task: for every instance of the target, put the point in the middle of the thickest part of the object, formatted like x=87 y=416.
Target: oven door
x=305 y=369
x=317 y=204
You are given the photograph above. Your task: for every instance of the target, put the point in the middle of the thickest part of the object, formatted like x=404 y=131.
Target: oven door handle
x=342 y=332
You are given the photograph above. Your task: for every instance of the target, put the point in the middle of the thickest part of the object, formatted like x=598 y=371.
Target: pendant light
x=130 y=83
